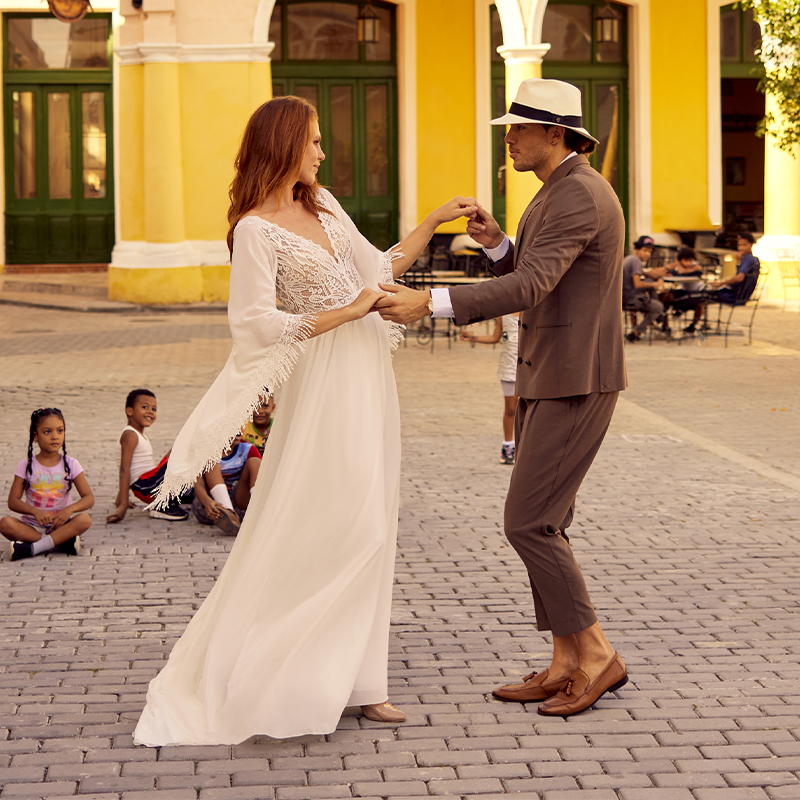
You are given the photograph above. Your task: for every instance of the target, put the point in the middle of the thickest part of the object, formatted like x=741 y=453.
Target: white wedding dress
x=296 y=627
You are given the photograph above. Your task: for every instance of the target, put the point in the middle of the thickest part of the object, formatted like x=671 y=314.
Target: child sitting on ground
x=256 y=432
x=222 y=494
x=506 y=329
x=137 y=468
x=46 y=481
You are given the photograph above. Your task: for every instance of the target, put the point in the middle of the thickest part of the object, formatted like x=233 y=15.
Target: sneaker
x=71 y=547
x=689 y=328
x=173 y=513
x=21 y=550
x=632 y=336
x=227 y=521
x=507 y=453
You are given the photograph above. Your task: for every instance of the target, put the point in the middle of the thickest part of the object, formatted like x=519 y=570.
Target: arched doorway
x=318 y=56
x=742 y=107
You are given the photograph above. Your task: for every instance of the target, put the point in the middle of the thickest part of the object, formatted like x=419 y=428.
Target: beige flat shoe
x=383 y=712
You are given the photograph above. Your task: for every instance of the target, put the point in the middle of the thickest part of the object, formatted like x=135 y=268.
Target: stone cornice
x=194 y=53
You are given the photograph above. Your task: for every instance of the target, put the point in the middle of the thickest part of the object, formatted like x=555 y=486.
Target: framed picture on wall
x=734 y=171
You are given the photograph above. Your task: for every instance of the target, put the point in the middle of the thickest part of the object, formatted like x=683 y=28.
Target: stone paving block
x=110 y=783
x=550 y=769
x=447 y=758
x=655 y=793
x=286 y=777
x=241 y=793
x=395 y=774
x=476 y=786
x=331 y=777
x=615 y=781
x=580 y=794
x=31 y=790
x=192 y=781
x=690 y=780
x=396 y=788
x=502 y=771
x=557 y=783
x=728 y=793
x=22 y=774
x=781 y=792
x=380 y=760
x=170 y=794
x=763 y=779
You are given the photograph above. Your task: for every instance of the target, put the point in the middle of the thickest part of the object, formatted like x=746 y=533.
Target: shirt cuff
x=496 y=253
x=442 y=307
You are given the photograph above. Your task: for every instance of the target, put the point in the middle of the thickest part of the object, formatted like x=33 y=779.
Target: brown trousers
x=557 y=441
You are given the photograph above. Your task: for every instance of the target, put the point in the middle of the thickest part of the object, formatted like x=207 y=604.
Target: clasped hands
x=404 y=305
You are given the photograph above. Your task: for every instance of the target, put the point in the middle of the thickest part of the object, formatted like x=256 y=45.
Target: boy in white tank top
x=137 y=469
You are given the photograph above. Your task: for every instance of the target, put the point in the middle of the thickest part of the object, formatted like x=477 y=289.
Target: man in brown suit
x=565 y=276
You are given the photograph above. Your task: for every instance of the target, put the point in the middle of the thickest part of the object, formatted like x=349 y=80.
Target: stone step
x=23 y=285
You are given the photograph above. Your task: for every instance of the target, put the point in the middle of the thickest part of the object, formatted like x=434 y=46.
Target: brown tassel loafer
x=536 y=687
x=580 y=692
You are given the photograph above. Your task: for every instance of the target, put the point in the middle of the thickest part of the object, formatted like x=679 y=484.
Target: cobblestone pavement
x=686 y=529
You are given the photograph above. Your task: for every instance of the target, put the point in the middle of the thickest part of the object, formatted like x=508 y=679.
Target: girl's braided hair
x=36 y=418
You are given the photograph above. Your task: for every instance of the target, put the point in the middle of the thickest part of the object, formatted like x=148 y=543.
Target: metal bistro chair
x=743 y=300
x=790 y=274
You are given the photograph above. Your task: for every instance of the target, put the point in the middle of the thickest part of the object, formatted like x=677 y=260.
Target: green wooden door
x=359 y=137
x=353 y=85
x=59 y=184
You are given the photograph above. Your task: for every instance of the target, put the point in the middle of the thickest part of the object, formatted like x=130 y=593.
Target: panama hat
x=548 y=103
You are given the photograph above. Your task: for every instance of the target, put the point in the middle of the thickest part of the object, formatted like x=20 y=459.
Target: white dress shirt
x=442 y=307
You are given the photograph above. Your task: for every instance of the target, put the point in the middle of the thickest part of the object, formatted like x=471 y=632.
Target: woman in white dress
x=296 y=628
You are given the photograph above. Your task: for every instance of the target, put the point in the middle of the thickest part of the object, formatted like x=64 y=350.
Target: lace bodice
x=309 y=279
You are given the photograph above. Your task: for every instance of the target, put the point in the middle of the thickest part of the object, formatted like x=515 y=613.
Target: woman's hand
x=365 y=302
x=466 y=336
x=455 y=208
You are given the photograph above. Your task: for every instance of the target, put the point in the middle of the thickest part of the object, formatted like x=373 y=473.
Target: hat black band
x=538 y=115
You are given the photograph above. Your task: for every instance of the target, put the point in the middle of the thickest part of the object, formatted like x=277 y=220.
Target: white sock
x=508 y=444
x=220 y=494
x=43 y=545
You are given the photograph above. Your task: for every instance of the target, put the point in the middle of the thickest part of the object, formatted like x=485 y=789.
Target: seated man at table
x=637 y=284
x=737 y=289
x=688 y=295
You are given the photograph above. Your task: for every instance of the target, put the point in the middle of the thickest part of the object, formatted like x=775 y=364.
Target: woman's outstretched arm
x=416 y=241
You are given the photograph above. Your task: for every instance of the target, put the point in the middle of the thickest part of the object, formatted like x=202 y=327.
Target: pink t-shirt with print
x=47 y=486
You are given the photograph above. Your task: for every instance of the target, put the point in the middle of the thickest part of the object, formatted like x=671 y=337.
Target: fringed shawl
x=266 y=346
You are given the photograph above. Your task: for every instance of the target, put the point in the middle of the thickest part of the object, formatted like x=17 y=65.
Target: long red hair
x=270 y=157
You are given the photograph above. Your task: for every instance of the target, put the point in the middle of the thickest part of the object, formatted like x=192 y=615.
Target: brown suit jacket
x=565 y=275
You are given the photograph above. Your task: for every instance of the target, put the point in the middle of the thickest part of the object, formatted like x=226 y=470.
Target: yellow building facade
x=405 y=121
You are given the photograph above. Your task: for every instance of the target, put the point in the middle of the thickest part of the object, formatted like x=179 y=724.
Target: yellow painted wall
x=168 y=286
x=679 y=110
x=216 y=102
x=445 y=105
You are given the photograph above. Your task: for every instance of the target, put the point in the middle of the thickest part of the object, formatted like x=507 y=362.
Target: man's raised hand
x=483 y=228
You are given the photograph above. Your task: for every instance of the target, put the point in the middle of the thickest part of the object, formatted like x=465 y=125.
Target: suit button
x=519 y=361
x=524 y=326
x=528 y=363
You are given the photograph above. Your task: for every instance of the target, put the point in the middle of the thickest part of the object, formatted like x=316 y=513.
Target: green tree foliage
x=779 y=52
